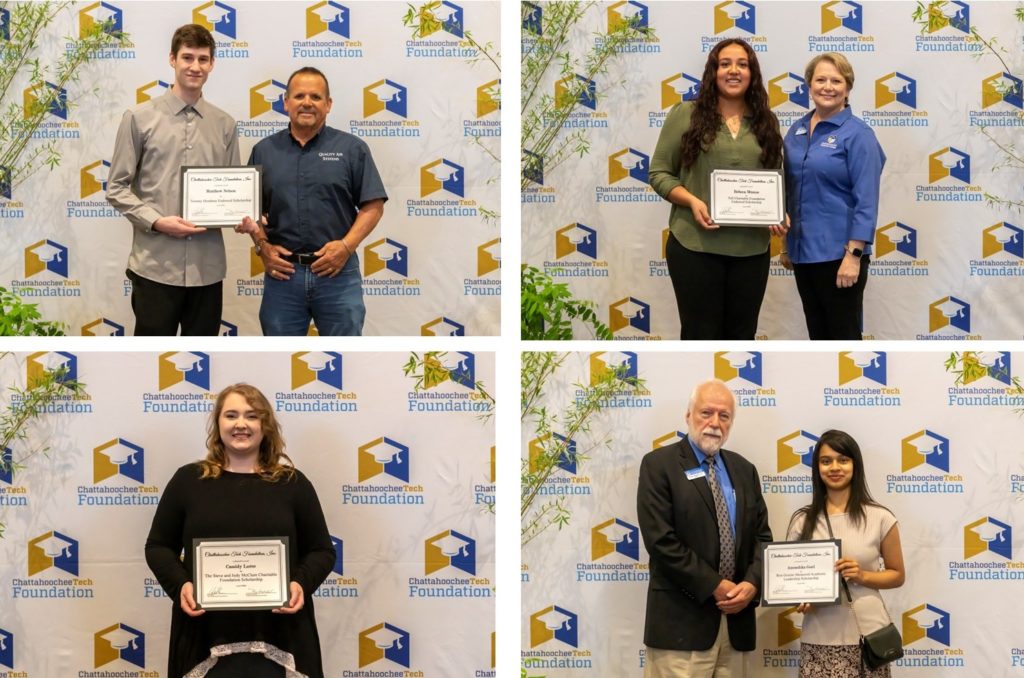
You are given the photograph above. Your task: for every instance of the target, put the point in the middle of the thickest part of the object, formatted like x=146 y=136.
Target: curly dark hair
x=706 y=119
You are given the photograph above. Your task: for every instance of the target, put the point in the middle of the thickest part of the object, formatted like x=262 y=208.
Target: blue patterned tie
x=726 y=542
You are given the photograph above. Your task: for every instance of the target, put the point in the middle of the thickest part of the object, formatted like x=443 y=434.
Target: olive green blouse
x=667 y=172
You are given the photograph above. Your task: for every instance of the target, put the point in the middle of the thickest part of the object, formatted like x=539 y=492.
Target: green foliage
x=930 y=18
x=428 y=371
x=968 y=368
x=549 y=54
x=26 y=408
x=572 y=420
x=548 y=309
x=20 y=59
x=18 y=319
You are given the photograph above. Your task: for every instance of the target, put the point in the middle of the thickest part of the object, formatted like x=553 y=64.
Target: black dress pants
x=718 y=296
x=159 y=309
x=245 y=665
x=831 y=312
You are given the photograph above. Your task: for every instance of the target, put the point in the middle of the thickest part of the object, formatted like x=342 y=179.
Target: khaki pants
x=719 y=661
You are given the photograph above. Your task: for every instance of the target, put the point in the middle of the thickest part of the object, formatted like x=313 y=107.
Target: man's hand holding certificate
x=219 y=197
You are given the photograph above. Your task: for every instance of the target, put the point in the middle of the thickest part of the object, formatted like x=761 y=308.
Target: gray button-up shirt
x=153 y=142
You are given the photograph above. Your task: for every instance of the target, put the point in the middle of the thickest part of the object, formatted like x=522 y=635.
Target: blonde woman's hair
x=272 y=463
x=838 y=60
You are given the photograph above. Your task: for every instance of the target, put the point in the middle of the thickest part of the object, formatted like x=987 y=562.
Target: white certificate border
x=779 y=190
x=835 y=545
x=257 y=195
x=283 y=593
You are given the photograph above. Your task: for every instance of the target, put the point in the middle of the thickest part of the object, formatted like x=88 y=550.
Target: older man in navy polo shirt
x=322 y=196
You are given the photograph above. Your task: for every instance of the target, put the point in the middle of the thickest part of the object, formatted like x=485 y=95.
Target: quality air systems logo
x=988 y=555
x=449 y=385
x=744 y=372
x=383 y=476
x=988 y=382
x=949 y=178
x=927 y=634
x=442 y=192
x=793 y=454
x=628 y=178
x=317 y=385
x=328 y=33
x=221 y=19
x=385 y=642
x=576 y=253
x=924 y=466
x=614 y=554
x=842 y=29
x=449 y=569
x=385 y=111
x=118 y=477
x=557 y=629
x=119 y=641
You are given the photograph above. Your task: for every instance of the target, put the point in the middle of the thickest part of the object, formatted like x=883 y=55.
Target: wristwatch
x=855 y=251
x=259 y=245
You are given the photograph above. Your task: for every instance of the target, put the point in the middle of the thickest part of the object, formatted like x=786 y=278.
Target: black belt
x=304 y=259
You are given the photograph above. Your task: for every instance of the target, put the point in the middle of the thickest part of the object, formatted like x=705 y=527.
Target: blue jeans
x=334 y=304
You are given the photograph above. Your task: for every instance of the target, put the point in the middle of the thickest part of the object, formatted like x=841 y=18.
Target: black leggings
x=245 y=665
x=718 y=296
x=831 y=312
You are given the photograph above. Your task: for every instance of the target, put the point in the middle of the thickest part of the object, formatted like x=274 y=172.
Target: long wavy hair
x=706 y=119
x=272 y=463
x=844 y=444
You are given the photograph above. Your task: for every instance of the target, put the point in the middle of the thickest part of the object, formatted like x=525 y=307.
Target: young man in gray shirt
x=176 y=269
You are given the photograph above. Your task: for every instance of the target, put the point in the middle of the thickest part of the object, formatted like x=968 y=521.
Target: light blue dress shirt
x=724 y=481
x=832 y=184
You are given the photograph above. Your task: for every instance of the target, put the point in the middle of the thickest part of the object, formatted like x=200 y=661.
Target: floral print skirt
x=836 y=661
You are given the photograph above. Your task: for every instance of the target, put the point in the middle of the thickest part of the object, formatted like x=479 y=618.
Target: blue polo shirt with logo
x=833 y=179
x=312 y=193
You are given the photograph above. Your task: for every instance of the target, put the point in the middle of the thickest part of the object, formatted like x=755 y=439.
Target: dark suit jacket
x=680 y=530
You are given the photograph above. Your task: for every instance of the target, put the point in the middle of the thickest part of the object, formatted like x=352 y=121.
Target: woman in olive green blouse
x=719 y=274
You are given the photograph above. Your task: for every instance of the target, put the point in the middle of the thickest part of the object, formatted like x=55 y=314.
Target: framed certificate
x=220 y=197
x=240 y=574
x=797 y=572
x=747 y=197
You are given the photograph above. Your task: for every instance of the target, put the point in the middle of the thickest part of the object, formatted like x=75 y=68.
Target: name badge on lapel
x=694 y=473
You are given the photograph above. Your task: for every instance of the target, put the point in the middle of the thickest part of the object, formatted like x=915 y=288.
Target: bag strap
x=846 y=587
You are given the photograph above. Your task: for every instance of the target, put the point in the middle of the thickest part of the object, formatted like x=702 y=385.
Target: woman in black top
x=245 y=488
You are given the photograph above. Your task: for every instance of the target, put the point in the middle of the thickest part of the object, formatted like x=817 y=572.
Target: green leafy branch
x=428 y=371
x=548 y=309
x=18 y=319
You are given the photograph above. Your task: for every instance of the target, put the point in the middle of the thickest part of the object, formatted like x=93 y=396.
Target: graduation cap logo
x=952 y=14
x=925 y=447
x=449 y=549
x=533 y=18
x=488 y=257
x=93 y=178
x=949 y=162
x=576 y=238
x=442 y=174
x=585 y=91
x=267 y=96
x=385 y=95
x=151 y=90
x=949 y=312
x=896 y=87
x=118 y=457
x=39 y=364
x=741 y=15
x=384 y=641
x=615 y=536
x=788 y=87
x=744 y=365
x=227 y=329
x=668 y=439
x=867 y=364
x=386 y=254
x=57 y=97
x=217 y=17
x=339 y=551
x=841 y=13
x=988 y=534
x=679 y=87
x=1002 y=237
x=629 y=312
x=100 y=13
x=997 y=366
x=383 y=455
x=119 y=641
x=627 y=14
x=46 y=255
x=449 y=19
x=1002 y=87
x=488 y=98
x=795 y=450
x=896 y=237
x=6 y=183
x=454 y=366
x=6 y=648
x=926 y=621
x=533 y=167
x=6 y=466
x=328 y=17
x=629 y=162
x=556 y=623
x=176 y=367
x=443 y=327
x=547 y=445
x=791 y=623
x=623 y=364
x=53 y=549
x=316 y=367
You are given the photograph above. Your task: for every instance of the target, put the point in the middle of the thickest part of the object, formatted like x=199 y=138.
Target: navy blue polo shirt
x=312 y=193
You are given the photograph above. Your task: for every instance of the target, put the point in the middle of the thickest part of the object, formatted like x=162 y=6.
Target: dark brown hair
x=309 y=70
x=192 y=35
x=706 y=119
x=271 y=462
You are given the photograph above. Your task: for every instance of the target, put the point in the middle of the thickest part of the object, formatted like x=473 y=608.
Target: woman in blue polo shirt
x=833 y=165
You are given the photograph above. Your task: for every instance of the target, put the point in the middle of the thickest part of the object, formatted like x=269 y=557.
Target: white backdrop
x=972 y=479
x=386 y=519
x=445 y=277
x=938 y=241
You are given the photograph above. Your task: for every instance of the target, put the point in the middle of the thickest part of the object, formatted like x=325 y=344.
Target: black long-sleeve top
x=240 y=505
